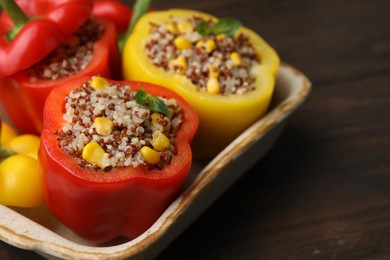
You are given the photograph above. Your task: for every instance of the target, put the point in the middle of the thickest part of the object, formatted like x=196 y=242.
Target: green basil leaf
x=158 y=105
x=154 y=103
x=141 y=97
x=227 y=26
x=203 y=28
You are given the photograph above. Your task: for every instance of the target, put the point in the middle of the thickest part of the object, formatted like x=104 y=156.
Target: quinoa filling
x=219 y=64
x=73 y=55
x=107 y=128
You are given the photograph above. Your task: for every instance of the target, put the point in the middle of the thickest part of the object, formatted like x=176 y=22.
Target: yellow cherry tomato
x=25 y=144
x=20 y=182
x=7 y=134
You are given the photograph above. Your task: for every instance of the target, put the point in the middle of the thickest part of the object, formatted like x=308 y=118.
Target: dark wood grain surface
x=323 y=191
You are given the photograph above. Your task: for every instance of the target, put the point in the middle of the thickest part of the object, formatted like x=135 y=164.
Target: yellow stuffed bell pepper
x=20 y=180
x=224 y=70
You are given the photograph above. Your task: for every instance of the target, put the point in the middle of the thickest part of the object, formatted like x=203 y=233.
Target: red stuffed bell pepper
x=112 y=156
x=90 y=49
x=40 y=25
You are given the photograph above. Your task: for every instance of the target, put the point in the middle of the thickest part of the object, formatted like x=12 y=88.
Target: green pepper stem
x=139 y=9
x=18 y=17
x=14 y=12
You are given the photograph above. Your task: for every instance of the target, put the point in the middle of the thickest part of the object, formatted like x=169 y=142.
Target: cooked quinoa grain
x=219 y=64
x=111 y=123
x=73 y=55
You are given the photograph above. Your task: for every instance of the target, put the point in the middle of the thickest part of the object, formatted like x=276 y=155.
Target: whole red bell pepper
x=22 y=96
x=44 y=26
x=125 y=201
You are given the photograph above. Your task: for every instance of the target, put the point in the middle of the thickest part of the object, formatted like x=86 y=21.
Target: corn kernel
x=220 y=36
x=209 y=45
x=213 y=72
x=99 y=83
x=172 y=28
x=199 y=44
x=103 y=125
x=155 y=117
x=160 y=141
x=185 y=27
x=182 y=43
x=164 y=122
x=213 y=86
x=94 y=154
x=181 y=64
x=236 y=58
x=150 y=156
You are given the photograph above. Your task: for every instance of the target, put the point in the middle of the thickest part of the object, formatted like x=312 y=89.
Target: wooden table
x=323 y=191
